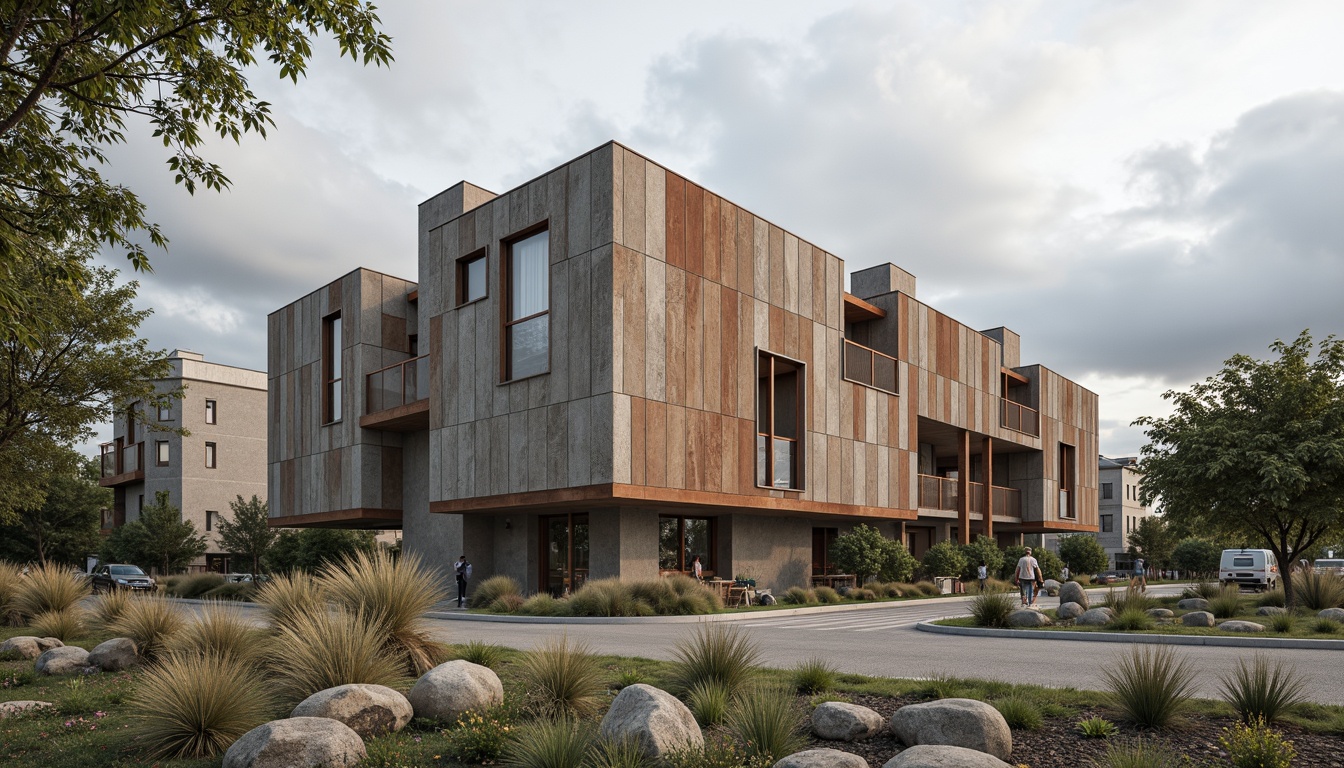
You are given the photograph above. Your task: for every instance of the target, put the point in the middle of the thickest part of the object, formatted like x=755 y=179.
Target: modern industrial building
x=609 y=370
x=223 y=456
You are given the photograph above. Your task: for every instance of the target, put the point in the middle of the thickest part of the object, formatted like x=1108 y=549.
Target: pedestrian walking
x=1026 y=574
x=463 y=570
x=982 y=573
x=1064 y=573
x=1140 y=578
x=697 y=570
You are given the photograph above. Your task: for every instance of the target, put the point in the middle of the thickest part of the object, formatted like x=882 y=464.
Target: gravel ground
x=1057 y=744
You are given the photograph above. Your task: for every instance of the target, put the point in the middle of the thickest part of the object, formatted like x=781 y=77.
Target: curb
x=1121 y=637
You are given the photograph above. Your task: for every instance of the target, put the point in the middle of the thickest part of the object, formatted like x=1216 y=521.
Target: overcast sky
x=1140 y=190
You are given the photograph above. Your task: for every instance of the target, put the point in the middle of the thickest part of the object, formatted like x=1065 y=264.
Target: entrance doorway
x=564 y=555
x=822 y=539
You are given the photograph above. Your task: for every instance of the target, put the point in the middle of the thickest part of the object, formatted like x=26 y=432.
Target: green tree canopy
x=862 y=551
x=1256 y=451
x=1152 y=540
x=899 y=564
x=983 y=549
x=248 y=535
x=1198 y=557
x=1083 y=554
x=160 y=539
x=308 y=549
x=64 y=527
x=943 y=559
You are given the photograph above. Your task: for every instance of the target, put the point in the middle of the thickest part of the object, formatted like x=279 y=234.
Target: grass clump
x=718 y=653
x=826 y=595
x=927 y=588
x=196 y=706
x=63 y=625
x=287 y=597
x=607 y=597
x=393 y=594
x=1282 y=622
x=1256 y=745
x=708 y=700
x=1097 y=728
x=1131 y=620
x=1318 y=590
x=485 y=654
x=718 y=751
x=108 y=607
x=816 y=675
x=1137 y=754
x=1274 y=598
x=48 y=587
x=1204 y=589
x=542 y=604
x=506 y=604
x=991 y=609
x=628 y=677
x=549 y=744
x=1325 y=626
x=1020 y=712
x=1262 y=690
x=562 y=679
x=1149 y=686
x=1128 y=599
x=10 y=576
x=768 y=723
x=860 y=594
x=150 y=622
x=220 y=630
x=618 y=753
x=798 y=596
x=326 y=649
x=492 y=589
x=1226 y=604
x=195 y=585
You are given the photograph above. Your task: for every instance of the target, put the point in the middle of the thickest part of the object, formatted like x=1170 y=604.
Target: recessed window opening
x=527 y=334
x=779 y=419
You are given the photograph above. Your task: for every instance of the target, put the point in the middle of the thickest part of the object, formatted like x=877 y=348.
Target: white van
x=1255 y=568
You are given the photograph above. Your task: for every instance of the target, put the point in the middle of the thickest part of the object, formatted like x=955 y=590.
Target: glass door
x=565 y=553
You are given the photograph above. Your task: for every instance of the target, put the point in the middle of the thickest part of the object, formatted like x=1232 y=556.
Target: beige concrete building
x=1119 y=508
x=222 y=457
x=609 y=371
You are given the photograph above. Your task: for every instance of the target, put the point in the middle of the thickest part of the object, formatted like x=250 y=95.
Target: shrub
x=1255 y=745
x=478 y=739
x=10 y=576
x=718 y=653
x=928 y=588
x=1149 y=685
x=542 y=604
x=1082 y=553
x=1128 y=599
x=607 y=597
x=1137 y=754
x=1131 y=620
x=195 y=585
x=220 y=630
x=1226 y=604
x=708 y=700
x=196 y=706
x=1283 y=622
x=718 y=751
x=1263 y=690
x=150 y=622
x=991 y=609
x=108 y=607
x=983 y=548
x=562 y=679
x=886 y=589
x=619 y=753
x=325 y=649
x=658 y=594
x=78 y=699
x=1197 y=556
x=798 y=596
x=485 y=654
x=692 y=596
x=394 y=594
x=506 y=604
x=826 y=595
x=1020 y=712
x=549 y=744
x=489 y=590
x=860 y=594
x=898 y=564
x=1097 y=728
x=242 y=591
x=1325 y=626
x=1274 y=597
x=816 y=675
x=62 y=625
x=862 y=551
x=908 y=590
x=48 y=587
x=1318 y=590
x=1205 y=589
x=943 y=559
x=768 y=723
x=287 y=597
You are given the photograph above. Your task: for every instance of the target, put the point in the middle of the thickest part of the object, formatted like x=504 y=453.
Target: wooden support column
x=964 y=487
x=988 y=463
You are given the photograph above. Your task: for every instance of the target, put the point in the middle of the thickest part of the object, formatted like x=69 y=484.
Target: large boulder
x=1160 y=613
x=114 y=655
x=944 y=757
x=298 y=742
x=1073 y=592
x=1193 y=604
x=1070 y=610
x=9 y=708
x=1050 y=586
x=655 y=718
x=446 y=691
x=47 y=643
x=65 y=660
x=822 y=758
x=23 y=646
x=1095 y=617
x=842 y=721
x=369 y=710
x=1270 y=610
x=954 y=723
x=1025 y=617
x=1198 y=619
x=1241 y=626
x=1333 y=614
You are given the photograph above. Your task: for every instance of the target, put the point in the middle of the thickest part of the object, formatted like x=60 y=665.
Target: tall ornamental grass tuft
x=220 y=630
x=798 y=596
x=562 y=679
x=150 y=622
x=1318 y=590
x=1263 y=690
x=1149 y=685
x=542 y=604
x=1020 y=712
x=394 y=595
x=48 y=587
x=1131 y=620
x=607 y=597
x=196 y=706
x=491 y=589
x=826 y=595
x=768 y=723
x=991 y=609
x=1274 y=598
x=10 y=577
x=1227 y=603
x=715 y=652
x=1283 y=622
x=619 y=753
x=560 y=743
x=321 y=650
x=482 y=653
x=63 y=625
x=287 y=597
x=1137 y=754
x=1127 y=599
x=108 y=607
x=195 y=585
x=815 y=675
x=1204 y=589
x=692 y=596
x=709 y=701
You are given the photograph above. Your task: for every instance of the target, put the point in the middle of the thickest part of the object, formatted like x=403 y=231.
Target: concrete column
x=964 y=487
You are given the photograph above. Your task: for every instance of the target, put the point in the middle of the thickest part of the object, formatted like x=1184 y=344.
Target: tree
x=311 y=548
x=160 y=538
x=64 y=527
x=899 y=564
x=86 y=360
x=983 y=549
x=249 y=534
x=862 y=551
x=73 y=73
x=1083 y=554
x=1198 y=557
x=1256 y=451
x=1152 y=540
x=943 y=559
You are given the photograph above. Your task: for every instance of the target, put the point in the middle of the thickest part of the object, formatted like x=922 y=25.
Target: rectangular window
x=1068 y=470
x=681 y=540
x=161 y=453
x=332 y=365
x=527 y=318
x=471 y=278
x=130 y=423
x=210 y=520
x=165 y=412
x=779 y=418
x=210 y=412
x=1107 y=523
x=1106 y=490
x=140 y=504
x=210 y=455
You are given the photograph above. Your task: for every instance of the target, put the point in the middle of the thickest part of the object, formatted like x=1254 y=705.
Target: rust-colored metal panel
x=730 y=360
x=714 y=458
x=871 y=475
x=676 y=221
x=676 y=447
x=676 y=336
x=746 y=260
x=634 y=298
x=713 y=358
x=859 y=397
x=695 y=450
x=776 y=342
x=728 y=255
x=695 y=229
x=746 y=457
x=638 y=439
x=776 y=256
x=695 y=341
x=819 y=295
x=713 y=240
x=656 y=448
x=729 y=450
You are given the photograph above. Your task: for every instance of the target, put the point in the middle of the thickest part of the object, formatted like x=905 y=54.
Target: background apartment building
x=223 y=457
x=609 y=370
x=1119 y=510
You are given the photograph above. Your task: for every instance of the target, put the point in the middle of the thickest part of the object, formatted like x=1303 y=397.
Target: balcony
x=869 y=367
x=397 y=397
x=121 y=464
x=943 y=493
x=1020 y=418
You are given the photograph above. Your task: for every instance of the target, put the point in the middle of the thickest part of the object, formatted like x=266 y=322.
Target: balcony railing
x=944 y=493
x=121 y=460
x=1020 y=417
x=399 y=384
x=866 y=366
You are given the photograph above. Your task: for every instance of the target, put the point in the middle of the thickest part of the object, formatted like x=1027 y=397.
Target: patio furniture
x=835 y=580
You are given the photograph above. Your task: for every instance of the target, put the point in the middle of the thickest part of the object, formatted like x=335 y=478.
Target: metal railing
x=130 y=458
x=944 y=493
x=866 y=366
x=398 y=384
x=1019 y=417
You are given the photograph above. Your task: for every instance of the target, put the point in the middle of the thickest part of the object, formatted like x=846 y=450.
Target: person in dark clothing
x=463 y=570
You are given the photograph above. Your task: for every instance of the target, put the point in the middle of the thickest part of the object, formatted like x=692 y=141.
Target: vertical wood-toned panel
x=695 y=229
x=676 y=447
x=713 y=358
x=712 y=238
x=731 y=362
x=728 y=254
x=695 y=342
x=676 y=221
x=638 y=440
x=633 y=207
x=634 y=308
x=656 y=445
x=675 y=309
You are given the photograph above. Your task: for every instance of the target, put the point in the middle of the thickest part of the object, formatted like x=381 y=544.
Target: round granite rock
x=1069 y=610
x=446 y=691
x=1333 y=614
x=1073 y=592
x=1270 y=610
x=1095 y=617
x=114 y=655
x=369 y=710
x=1025 y=617
x=297 y=742
x=842 y=721
x=956 y=723
x=65 y=660
x=1160 y=613
x=822 y=758
x=1241 y=626
x=929 y=756
x=1198 y=619
x=1193 y=604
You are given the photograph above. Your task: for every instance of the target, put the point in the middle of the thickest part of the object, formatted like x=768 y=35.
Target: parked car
x=1329 y=565
x=1254 y=568
x=121 y=576
x=1112 y=577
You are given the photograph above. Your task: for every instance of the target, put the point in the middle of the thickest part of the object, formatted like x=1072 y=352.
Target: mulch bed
x=1058 y=744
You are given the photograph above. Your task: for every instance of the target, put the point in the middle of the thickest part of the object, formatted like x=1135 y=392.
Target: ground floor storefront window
x=681 y=540
x=564 y=554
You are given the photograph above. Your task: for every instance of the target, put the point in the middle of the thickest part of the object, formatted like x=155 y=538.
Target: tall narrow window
x=211 y=414
x=779 y=419
x=1068 y=470
x=1105 y=490
x=331 y=368
x=210 y=520
x=161 y=453
x=130 y=423
x=1106 y=523
x=471 y=278
x=210 y=455
x=527 y=332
